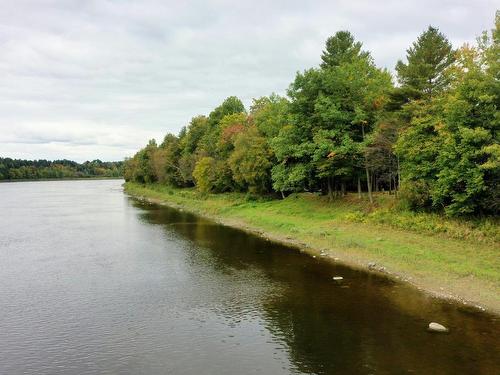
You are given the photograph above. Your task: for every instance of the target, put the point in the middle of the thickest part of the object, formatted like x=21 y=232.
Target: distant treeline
x=17 y=169
x=432 y=138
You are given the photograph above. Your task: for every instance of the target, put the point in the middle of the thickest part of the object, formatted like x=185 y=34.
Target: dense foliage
x=346 y=126
x=17 y=169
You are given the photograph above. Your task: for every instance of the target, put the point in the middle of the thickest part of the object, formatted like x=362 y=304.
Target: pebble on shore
x=436 y=327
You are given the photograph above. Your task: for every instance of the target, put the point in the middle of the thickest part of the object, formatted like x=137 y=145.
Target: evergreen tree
x=427 y=60
x=341 y=48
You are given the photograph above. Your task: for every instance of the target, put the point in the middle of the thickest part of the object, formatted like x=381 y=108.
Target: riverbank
x=447 y=258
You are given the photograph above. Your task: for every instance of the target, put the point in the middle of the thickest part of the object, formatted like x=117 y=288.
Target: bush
x=416 y=195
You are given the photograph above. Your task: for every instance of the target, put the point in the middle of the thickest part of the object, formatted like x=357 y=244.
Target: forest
x=17 y=169
x=428 y=134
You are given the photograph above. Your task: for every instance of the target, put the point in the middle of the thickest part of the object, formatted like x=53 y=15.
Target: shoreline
x=62 y=179
x=454 y=293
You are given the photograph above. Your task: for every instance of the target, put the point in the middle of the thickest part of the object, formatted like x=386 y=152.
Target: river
x=95 y=282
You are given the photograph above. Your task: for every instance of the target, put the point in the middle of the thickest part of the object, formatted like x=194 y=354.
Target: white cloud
x=97 y=79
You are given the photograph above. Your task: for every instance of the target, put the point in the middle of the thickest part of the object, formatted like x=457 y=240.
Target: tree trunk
x=399 y=174
x=342 y=189
x=330 y=193
x=390 y=183
x=282 y=194
x=369 y=184
x=368 y=181
x=359 y=187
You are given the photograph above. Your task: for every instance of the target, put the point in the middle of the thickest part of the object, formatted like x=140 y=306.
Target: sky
x=86 y=80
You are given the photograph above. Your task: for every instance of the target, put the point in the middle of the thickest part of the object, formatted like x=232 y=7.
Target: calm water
x=94 y=282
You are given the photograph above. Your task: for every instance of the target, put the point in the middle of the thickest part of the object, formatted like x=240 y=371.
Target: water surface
x=95 y=282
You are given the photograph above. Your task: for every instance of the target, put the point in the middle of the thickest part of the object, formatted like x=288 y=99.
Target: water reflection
x=93 y=282
x=366 y=324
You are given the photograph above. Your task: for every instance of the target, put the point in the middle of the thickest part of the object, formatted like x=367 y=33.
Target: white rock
x=338 y=278
x=436 y=327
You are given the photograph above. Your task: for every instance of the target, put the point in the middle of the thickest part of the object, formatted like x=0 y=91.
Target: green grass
x=432 y=249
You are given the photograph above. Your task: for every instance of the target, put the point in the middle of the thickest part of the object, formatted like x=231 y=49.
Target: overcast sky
x=96 y=79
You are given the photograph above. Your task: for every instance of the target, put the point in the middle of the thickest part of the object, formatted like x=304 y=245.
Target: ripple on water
x=95 y=283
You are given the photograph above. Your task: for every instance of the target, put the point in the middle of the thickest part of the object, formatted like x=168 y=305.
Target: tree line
x=431 y=138
x=18 y=169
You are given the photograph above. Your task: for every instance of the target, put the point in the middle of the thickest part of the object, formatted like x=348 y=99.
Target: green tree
x=192 y=135
x=427 y=60
x=418 y=147
x=230 y=126
x=330 y=110
x=223 y=177
x=144 y=171
x=250 y=161
x=469 y=169
x=231 y=105
x=204 y=174
x=166 y=161
x=418 y=103
x=270 y=114
x=340 y=49
x=450 y=149
x=190 y=139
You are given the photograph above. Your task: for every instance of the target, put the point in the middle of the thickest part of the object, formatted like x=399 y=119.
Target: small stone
x=436 y=327
x=338 y=278
x=371 y=265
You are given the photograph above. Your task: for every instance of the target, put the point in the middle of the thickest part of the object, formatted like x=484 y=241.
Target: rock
x=371 y=265
x=338 y=278
x=436 y=327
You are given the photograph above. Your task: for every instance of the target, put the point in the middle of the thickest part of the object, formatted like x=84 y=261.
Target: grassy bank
x=451 y=258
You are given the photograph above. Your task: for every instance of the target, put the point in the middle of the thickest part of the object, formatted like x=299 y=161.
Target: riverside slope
x=445 y=258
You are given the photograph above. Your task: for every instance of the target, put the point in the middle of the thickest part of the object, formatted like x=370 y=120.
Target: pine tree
x=341 y=48
x=428 y=58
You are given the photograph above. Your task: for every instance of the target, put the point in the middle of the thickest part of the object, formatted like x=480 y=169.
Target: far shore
x=464 y=271
x=64 y=179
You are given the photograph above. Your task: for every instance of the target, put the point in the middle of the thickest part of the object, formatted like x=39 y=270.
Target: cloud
x=97 y=79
